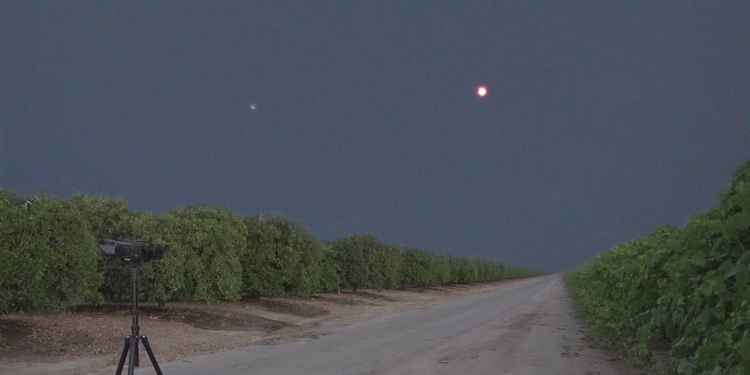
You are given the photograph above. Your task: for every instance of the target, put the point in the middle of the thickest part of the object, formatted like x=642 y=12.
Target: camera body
x=131 y=251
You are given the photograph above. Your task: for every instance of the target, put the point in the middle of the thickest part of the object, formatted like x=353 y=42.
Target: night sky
x=604 y=119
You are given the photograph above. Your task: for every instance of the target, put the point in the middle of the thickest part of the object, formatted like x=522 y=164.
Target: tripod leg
x=124 y=354
x=131 y=360
x=147 y=346
x=136 y=354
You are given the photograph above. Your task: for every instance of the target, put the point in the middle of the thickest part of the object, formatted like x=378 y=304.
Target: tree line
x=685 y=289
x=49 y=257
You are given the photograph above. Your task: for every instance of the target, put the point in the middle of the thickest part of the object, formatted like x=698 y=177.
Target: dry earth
x=90 y=338
x=518 y=327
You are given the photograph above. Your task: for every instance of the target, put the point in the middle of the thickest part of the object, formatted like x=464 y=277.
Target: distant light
x=482 y=91
x=253 y=107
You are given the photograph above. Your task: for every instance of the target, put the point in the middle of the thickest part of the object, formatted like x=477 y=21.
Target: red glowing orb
x=482 y=91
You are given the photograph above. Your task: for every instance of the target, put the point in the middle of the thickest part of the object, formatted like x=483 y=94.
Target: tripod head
x=136 y=251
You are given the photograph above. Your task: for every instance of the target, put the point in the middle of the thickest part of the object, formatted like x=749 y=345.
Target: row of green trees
x=684 y=288
x=49 y=260
x=364 y=262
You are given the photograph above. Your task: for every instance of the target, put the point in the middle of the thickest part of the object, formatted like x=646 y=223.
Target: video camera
x=135 y=253
x=132 y=251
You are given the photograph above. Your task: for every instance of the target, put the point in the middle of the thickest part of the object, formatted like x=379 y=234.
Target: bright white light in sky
x=253 y=107
x=482 y=91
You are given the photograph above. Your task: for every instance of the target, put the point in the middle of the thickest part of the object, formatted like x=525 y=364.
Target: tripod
x=130 y=349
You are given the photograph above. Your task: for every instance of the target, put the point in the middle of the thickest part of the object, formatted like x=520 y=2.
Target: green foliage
x=107 y=218
x=203 y=262
x=733 y=200
x=416 y=269
x=355 y=256
x=9 y=198
x=364 y=262
x=47 y=257
x=328 y=279
x=462 y=271
x=440 y=270
x=389 y=261
x=687 y=288
x=282 y=258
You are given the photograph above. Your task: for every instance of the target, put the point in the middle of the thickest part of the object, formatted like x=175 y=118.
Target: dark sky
x=605 y=119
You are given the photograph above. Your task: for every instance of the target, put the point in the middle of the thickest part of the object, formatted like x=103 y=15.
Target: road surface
x=520 y=327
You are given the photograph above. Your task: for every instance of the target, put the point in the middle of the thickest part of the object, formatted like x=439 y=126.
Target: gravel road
x=521 y=327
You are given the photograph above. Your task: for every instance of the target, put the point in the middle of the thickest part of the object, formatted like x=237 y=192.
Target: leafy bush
x=388 y=260
x=328 y=280
x=107 y=217
x=355 y=256
x=462 y=271
x=203 y=262
x=687 y=288
x=9 y=198
x=416 y=269
x=281 y=258
x=47 y=257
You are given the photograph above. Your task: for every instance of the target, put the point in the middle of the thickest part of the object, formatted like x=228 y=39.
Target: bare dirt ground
x=524 y=327
x=89 y=338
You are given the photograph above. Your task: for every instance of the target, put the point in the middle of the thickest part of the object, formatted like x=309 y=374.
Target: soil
x=344 y=299
x=90 y=337
x=290 y=307
x=90 y=330
x=376 y=296
x=195 y=316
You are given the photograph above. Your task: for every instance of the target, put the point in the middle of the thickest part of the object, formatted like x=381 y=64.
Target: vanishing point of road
x=516 y=328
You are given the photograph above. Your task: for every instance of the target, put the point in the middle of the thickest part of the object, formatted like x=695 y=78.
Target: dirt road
x=523 y=327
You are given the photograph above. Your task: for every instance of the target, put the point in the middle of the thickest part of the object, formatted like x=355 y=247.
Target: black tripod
x=130 y=349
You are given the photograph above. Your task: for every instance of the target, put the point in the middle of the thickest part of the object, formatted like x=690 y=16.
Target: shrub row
x=48 y=256
x=684 y=288
x=364 y=262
